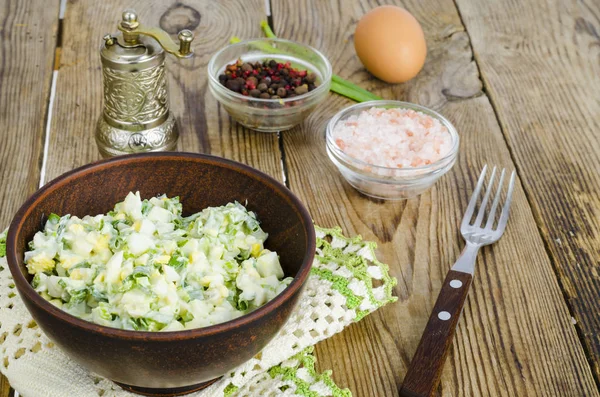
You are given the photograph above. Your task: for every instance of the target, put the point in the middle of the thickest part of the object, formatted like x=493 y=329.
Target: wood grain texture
x=203 y=125
x=542 y=77
x=28 y=35
x=516 y=336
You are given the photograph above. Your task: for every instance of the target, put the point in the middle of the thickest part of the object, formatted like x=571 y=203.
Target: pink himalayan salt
x=393 y=138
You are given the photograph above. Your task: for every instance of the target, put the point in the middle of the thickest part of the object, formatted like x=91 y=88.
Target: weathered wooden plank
x=539 y=62
x=28 y=35
x=204 y=126
x=516 y=336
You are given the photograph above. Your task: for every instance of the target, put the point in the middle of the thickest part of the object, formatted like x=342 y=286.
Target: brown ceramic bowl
x=167 y=363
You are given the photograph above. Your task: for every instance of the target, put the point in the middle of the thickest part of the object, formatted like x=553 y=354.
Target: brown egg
x=390 y=43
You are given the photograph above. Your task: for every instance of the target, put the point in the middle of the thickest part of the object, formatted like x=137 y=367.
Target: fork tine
x=506 y=208
x=492 y=215
x=473 y=202
x=488 y=191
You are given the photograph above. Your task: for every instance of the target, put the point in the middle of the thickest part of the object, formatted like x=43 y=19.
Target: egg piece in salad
x=145 y=267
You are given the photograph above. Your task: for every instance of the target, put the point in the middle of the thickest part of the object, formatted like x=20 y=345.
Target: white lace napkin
x=340 y=290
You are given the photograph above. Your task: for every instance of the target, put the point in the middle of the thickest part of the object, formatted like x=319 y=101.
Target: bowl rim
x=24 y=287
x=397 y=172
x=325 y=85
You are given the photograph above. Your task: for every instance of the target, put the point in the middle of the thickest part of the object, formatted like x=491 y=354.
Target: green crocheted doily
x=347 y=256
x=356 y=255
x=3 y=244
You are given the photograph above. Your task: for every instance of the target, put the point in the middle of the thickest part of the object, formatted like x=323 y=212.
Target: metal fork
x=426 y=366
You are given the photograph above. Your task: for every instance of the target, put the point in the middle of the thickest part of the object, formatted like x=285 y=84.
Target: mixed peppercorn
x=267 y=80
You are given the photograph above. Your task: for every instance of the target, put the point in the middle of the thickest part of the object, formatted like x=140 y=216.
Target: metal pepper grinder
x=136 y=116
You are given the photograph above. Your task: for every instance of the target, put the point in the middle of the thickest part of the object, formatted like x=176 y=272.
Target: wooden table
x=520 y=81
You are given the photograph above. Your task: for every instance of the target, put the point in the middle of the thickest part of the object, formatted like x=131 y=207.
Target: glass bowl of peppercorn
x=269 y=85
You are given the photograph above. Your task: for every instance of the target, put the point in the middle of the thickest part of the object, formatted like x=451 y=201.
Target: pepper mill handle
x=132 y=29
x=185 y=40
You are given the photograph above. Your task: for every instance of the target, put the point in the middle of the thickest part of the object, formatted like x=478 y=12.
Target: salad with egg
x=145 y=267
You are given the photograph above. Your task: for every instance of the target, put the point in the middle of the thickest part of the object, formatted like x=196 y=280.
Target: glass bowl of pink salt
x=391 y=150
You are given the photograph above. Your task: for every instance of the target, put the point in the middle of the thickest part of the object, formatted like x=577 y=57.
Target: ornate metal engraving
x=115 y=141
x=135 y=97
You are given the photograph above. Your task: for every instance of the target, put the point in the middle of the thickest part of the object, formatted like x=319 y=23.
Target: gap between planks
x=284 y=170
x=57 y=51
x=47 y=134
x=529 y=199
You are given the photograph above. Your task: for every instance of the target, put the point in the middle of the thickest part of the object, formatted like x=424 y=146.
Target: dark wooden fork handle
x=426 y=367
